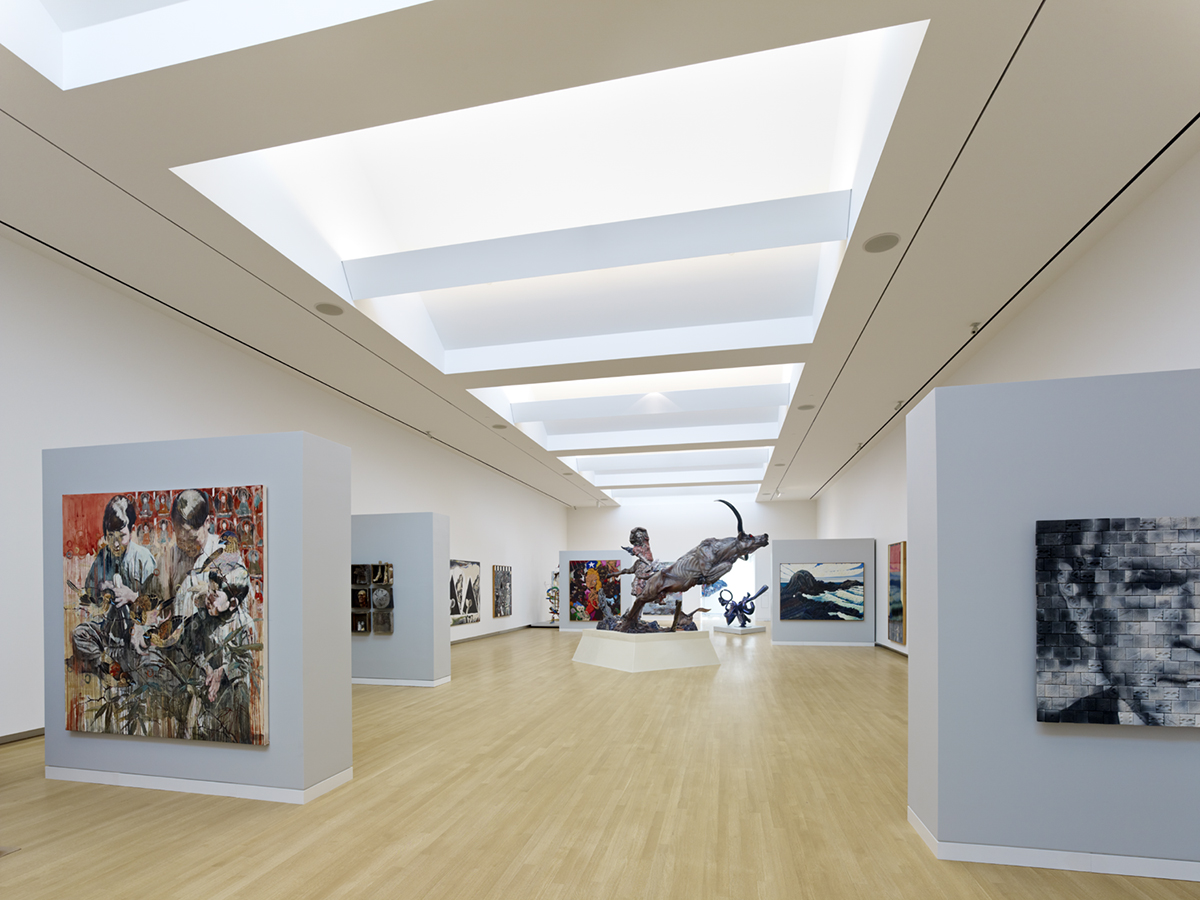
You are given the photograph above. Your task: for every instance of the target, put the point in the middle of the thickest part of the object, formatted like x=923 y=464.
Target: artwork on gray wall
x=501 y=591
x=371 y=595
x=822 y=591
x=464 y=592
x=165 y=613
x=1118 y=634
x=360 y=622
x=897 y=590
x=382 y=621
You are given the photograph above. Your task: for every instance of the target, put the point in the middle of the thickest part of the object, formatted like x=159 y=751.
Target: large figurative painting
x=165 y=613
x=1118 y=633
x=594 y=584
x=464 y=592
x=501 y=591
x=897 y=590
x=824 y=591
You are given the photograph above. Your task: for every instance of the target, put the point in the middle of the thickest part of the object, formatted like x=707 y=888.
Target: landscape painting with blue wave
x=828 y=591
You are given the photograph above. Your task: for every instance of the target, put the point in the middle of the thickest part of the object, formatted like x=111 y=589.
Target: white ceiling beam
x=788 y=222
x=702 y=399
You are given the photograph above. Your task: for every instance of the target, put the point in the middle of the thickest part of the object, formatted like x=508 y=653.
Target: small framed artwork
x=360 y=623
x=360 y=574
x=381 y=573
x=897 y=590
x=381 y=598
x=501 y=591
x=360 y=598
x=381 y=620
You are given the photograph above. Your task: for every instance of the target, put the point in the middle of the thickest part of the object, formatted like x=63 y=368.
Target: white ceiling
x=1002 y=163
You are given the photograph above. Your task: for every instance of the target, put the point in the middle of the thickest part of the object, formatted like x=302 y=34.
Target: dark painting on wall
x=464 y=592
x=360 y=598
x=360 y=622
x=823 y=592
x=897 y=590
x=381 y=621
x=1118 y=633
x=165 y=613
x=501 y=591
x=594 y=583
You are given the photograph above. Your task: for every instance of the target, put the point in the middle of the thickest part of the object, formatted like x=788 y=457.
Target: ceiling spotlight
x=806 y=406
x=499 y=426
x=777 y=465
x=329 y=309
x=568 y=473
x=881 y=242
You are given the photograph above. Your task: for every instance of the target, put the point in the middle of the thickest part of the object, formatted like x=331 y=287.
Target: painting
x=381 y=597
x=823 y=592
x=360 y=622
x=897 y=590
x=1118 y=631
x=593 y=585
x=360 y=597
x=381 y=620
x=464 y=592
x=165 y=613
x=501 y=591
x=360 y=574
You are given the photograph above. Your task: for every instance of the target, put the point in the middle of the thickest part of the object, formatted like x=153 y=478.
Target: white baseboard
x=194 y=786
x=1073 y=860
x=775 y=643
x=401 y=682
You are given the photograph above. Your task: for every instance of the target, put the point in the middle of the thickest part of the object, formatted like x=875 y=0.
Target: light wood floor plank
x=780 y=774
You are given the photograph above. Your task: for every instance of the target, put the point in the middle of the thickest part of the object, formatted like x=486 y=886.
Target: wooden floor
x=779 y=774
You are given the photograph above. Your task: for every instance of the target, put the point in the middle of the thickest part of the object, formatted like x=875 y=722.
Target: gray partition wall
x=307 y=542
x=987 y=781
x=837 y=550
x=418 y=547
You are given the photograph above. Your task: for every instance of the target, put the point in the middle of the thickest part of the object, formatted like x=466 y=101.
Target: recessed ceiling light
x=499 y=426
x=777 y=465
x=568 y=473
x=806 y=406
x=881 y=242
x=329 y=309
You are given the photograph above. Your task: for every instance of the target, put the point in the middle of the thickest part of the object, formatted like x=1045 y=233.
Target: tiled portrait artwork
x=1118 y=634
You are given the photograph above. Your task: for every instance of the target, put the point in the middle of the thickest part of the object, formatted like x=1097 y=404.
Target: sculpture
x=742 y=609
x=704 y=564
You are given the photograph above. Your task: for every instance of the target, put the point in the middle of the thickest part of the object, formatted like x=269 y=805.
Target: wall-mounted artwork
x=464 y=592
x=382 y=621
x=824 y=591
x=165 y=613
x=594 y=583
x=360 y=622
x=1118 y=631
x=360 y=597
x=501 y=591
x=897 y=590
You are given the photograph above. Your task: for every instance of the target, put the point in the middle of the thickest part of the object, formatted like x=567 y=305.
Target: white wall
x=1130 y=304
x=679 y=525
x=83 y=365
x=870 y=501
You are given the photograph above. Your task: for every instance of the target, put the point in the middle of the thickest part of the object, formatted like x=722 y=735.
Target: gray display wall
x=988 y=782
x=802 y=631
x=418 y=546
x=307 y=482
x=565 y=557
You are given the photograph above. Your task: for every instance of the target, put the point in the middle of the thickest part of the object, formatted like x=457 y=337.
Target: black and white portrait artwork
x=501 y=591
x=1118 y=635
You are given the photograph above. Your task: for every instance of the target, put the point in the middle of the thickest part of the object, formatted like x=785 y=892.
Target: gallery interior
x=481 y=288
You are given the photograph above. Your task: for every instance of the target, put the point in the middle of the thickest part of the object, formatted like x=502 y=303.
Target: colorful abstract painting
x=165 y=613
x=824 y=591
x=464 y=592
x=897 y=590
x=501 y=591
x=594 y=584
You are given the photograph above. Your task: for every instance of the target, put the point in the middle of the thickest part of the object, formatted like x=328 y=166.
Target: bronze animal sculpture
x=703 y=564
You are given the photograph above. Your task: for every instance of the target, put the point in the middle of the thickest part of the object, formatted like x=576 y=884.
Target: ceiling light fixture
x=329 y=309
x=499 y=426
x=805 y=407
x=881 y=243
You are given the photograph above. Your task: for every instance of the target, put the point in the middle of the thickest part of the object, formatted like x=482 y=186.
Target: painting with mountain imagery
x=464 y=592
x=825 y=591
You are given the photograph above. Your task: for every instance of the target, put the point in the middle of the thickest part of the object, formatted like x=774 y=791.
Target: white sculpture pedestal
x=646 y=652
x=737 y=629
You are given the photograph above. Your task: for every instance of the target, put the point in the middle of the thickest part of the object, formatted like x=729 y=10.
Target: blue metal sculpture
x=742 y=609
